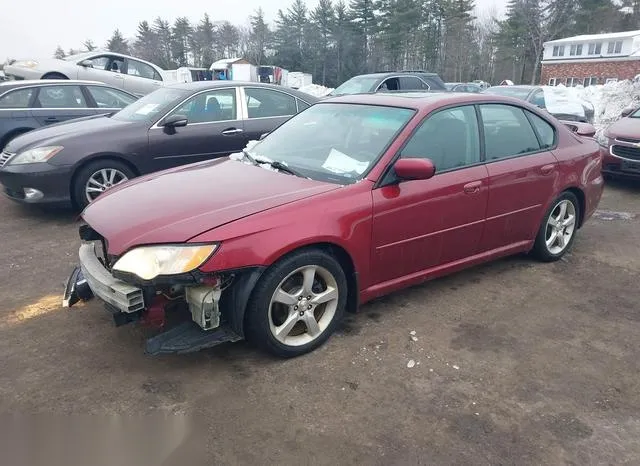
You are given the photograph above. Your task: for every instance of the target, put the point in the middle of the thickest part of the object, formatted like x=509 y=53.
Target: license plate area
x=626 y=165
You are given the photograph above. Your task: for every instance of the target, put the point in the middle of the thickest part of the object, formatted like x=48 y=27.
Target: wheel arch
x=14 y=133
x=579 y=194
x=97 y=157
x=54 y=75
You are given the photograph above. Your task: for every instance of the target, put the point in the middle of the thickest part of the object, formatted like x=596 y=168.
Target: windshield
x=332 y=142
x=517 y=92
x=151 y=105
x=79 y=56
x=357 y=85
x=635 y=114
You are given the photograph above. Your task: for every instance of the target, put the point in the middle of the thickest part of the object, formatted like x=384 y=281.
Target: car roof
x=38 y=82
x=517 y=86
x=422 y=100
x=384 y=74
x=203 y=85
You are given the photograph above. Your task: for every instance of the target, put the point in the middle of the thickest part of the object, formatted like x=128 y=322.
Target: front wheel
x=97 y=177
x=558 y=228
x=297 y=304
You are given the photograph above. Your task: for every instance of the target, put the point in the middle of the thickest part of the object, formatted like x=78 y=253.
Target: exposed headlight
x=602 y=139
x=39 y=154
x=147 y=262
x=26 y=64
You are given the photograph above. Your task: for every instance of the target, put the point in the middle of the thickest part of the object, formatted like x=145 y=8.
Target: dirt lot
x=517 y=362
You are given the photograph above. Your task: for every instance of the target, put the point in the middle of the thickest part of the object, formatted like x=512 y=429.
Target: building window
x=610 y=80
x=595 y=48
x=558 y=50
x=553 y=81
x=614 y=47
x=592 y=81
x=576 y=49
x=572 y=82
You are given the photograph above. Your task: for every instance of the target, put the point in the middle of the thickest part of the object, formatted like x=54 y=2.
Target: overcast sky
x=33 y=28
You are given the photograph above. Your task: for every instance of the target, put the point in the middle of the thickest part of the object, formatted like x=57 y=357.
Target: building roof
x=225 y=62
x=595 y=37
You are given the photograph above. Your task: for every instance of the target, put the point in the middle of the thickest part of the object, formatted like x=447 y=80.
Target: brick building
x=591 y=59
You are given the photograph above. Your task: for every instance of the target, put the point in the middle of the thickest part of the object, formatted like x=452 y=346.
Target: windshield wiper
x=272 y=163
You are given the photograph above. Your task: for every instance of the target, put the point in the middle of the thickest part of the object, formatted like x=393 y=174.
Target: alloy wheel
x=560 y=226
x=303 y=305
x=103 y=180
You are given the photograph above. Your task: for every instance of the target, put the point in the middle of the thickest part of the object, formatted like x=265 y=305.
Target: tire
x=547 y=247
x=282 y=329
x=54 y=76
x=96 y=170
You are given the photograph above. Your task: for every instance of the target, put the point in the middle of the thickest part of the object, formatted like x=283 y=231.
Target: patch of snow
x=411 y=363
x=412 y=332
x=414 y=338
x=316 y=90
x=456 y=367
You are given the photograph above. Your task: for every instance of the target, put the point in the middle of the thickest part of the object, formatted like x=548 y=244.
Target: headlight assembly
x=148 y=262
x=39 y=154
x=602 y=139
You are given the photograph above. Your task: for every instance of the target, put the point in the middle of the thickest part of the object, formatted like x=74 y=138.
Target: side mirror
x=175 y=121
x=414 y=169
x=86 y=63
x=262 y=136
x=628 y=111
x=580 y=128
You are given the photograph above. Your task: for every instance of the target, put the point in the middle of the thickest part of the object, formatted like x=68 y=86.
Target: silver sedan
x=128 y=73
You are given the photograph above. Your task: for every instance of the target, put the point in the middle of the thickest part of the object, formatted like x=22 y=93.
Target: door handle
x=118 y=76
x=231 y=131
x=473 y=187
x=547 y=169
x=51 y=120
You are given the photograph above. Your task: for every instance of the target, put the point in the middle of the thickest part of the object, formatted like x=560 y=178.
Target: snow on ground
x=316 y=90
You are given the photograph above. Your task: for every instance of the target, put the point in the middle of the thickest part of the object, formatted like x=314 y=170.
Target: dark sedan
x=463 y=87
x=27 y=105
x=175 y=125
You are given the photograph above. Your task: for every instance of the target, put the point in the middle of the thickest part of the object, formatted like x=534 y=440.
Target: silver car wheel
x=303 y=305
x=560 y=226
x=102 y=180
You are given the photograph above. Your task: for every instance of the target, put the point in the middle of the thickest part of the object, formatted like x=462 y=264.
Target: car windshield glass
x=357 y=85
x=635 y=114
x=79 y=56
x=151 y=105
x=332 y=142
x=508 y=91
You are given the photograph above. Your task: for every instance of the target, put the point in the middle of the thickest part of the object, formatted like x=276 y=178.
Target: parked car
x=620 y=144
x=463 y=87
x=122 y=71
x=354 y=198
x=389 y=82
x=175 y=125
x=27 y=105
x=556 y=100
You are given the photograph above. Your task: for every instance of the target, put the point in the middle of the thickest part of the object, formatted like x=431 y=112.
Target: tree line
x=339 y=39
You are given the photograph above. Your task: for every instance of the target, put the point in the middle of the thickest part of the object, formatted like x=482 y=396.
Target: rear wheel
x=558 y=228
x=97 y=177
x=297 y=304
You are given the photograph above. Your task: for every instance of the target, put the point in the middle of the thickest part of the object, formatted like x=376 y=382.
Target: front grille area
x=4 y=157
x=626 y=152
x=631 y=140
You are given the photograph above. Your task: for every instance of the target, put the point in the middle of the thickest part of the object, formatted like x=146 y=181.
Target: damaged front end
x=193 y=310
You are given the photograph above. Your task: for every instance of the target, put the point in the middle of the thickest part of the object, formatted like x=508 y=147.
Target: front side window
x=106 y=97
x=334 y=142
x=152 y=105
x=265 y=103
x=449 y=138
x=60 y=97
x=356 y=85
x=19 y=98
x=391 y=84
x=507 y=132
x=209 y=107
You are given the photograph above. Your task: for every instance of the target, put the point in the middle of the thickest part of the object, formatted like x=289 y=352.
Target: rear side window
x=61 y=97
x=265 y=103
x=507 y=132
x=106 y=97
x=19 y=98
x=545 y=131
x=412 y=83
x=302 y=105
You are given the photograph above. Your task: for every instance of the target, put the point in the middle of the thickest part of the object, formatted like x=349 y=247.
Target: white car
x=128 y=73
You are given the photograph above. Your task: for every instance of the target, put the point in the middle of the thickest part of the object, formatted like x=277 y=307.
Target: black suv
x=389 y=81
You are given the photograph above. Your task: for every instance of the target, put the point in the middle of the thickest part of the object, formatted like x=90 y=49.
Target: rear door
x=522 y=173
x=141 y=78
x=56 y=103
x=15 y=113
x=266 y=109
x=214 y=129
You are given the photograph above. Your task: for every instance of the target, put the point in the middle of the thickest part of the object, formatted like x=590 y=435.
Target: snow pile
x=316 y=90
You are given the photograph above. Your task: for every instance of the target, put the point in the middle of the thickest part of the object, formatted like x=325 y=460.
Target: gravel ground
x=514 y=362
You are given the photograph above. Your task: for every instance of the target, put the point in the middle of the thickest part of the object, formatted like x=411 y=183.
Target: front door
x=213 y=130
x=58 y=103
x=418 y=225
x=108 y=69
x=522 y=173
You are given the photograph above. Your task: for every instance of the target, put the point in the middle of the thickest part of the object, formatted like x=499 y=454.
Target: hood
x=174 y=206
x=625 y=127
x=56 y=134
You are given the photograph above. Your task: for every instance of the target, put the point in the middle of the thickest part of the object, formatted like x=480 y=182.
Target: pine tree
x=181 y=38
x=342 y=38
x=117 y=43
x=259 y=37
x=363 y=21
x=202 y=42
x=162 y=32
x=323 y=21
x=89 y=45
x=146 y=45
x=59 y=53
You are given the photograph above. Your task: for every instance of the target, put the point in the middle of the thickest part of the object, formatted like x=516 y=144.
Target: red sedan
x=351 y=199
